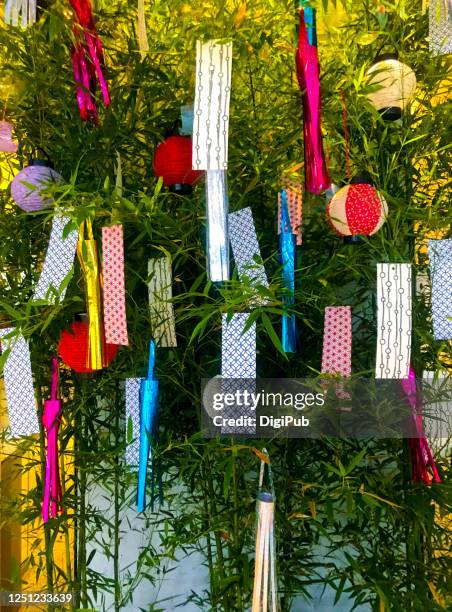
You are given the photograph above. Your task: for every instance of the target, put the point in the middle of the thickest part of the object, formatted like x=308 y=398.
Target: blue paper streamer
x=310 y=22
x=148 y=426
x=287 y=249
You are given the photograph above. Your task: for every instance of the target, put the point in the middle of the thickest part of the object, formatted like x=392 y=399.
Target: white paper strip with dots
x=211 y=108
x=393 y=320
x=20 y=395
x=132 y=393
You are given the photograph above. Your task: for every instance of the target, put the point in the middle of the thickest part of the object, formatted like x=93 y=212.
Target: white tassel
x=265 y=569
x=25 y=10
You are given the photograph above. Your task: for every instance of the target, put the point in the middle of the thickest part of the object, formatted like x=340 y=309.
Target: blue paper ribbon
x=148 y=427
x=310 y=21
x=287 y=249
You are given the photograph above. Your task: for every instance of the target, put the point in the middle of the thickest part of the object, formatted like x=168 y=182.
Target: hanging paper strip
x=20 y=395
x=422 y=461
x=211 y=120
x=141 y=27
x=393 y=320
x=161 y=308
x=148 y=429
x=132 y=393
x=287 y=253
x=265 y=584
x=20 y=12
x=58 y=262
x=115 y=319
x=238 y=360
x=217 y=225
x=294 y=198
x=87 y=254
x=51 y=418
x=245 y=247
x=440 y=261
x=87 y=60
x=437 y=394
x=337 y=341
x=308 y=72
x=440 y=26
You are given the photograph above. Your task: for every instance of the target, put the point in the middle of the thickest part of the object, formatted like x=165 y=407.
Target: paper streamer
x=143 y=42
x=440 y=26
x=294 y=197
x=115 y=319
x=217 y=225
x=132 y=396
x=211 y=120
x=161 y=308
x=20 y=12
x=58 y=262
x=245 y=247
x=437 y=394
x=440 y=261
x=287 y=254
x=337 y=341
x=393 y=320
x=20 y=395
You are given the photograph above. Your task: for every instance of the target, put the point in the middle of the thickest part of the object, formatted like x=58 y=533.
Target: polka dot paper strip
x=440 y=26
x=160 y=295
x=132 y=392
x=20 y=395
x=295 y=204
x=211 y=108
x=337 y=341
x=115 y=319
x=440 y=259
x=393 y=320
x=58 y=262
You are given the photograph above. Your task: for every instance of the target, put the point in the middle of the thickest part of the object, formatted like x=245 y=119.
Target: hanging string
x=347 y=155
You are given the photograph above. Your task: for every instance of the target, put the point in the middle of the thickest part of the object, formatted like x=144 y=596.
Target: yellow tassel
x=142 y=33
x=87 y=254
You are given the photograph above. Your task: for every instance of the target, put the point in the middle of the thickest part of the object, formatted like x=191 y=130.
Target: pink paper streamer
x=115 y=320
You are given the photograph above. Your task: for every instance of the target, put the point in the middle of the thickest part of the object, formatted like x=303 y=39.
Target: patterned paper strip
x=440 y=26
x=58 y=261
x=20 y=395
x=394 y=320
x=337 y=341
x=440 y=259
x=161 y=308
x=294 y=197
x=115 y=320
x=245 y=246
x=211 y=121
x=132 y=392
x=217 y=225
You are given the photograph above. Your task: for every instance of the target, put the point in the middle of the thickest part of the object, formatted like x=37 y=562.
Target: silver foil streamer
x=217 y=225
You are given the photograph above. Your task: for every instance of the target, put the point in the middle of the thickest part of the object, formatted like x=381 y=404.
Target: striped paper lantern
x=357 y=209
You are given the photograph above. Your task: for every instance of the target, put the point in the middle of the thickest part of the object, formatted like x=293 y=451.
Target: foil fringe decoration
x=217 y=205
x=287 y=250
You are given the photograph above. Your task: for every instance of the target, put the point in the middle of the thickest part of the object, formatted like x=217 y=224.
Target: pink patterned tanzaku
x=294 y=195
x=337 y=341
x=115 y=320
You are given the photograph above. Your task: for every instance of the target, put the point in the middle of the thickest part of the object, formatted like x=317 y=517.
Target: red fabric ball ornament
x=173 y=162
x=357 y=209
x=73 y=347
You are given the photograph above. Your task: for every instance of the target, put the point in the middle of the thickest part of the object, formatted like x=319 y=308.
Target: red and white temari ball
x=356 y=209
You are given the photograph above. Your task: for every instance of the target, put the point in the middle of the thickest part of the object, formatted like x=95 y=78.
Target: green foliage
x=350 y=499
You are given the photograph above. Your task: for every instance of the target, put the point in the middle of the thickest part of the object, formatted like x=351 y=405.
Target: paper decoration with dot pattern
x=440 y=26
x=132 y=395
x=393 y=320
x=337 y=341
x=58 y=262
x=20 y=395
x=440 y=261
x=294 y=197
x=115 y=319
x=211 y=108
x=160 y=295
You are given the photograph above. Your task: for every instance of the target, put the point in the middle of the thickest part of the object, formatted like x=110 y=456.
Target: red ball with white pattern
x=357 y=209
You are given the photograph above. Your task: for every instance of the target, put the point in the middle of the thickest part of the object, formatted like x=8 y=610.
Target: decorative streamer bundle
x=73 y=348
x=51 y=418
x=58 y=262
x=308 y=72
x=421 y=456
x=20 y=12
x=217 y=206
x=87 y=254
x=115 y=319
x=287 y=251
x=20 y=395
x=148 y=431
x=265 y=583
x=440 y=26
x=160 y=296
x=294 y=197
x=87 y=61
x=337 y=341
x=440 y=261
x=143 y=42
x=394 y=320
x=212 y=95
x=245 y=247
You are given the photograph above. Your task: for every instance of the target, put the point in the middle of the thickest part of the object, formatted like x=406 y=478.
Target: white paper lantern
x=394 y=84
